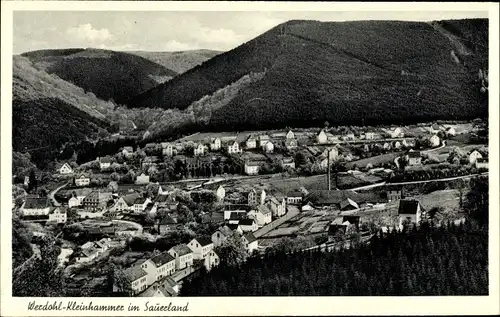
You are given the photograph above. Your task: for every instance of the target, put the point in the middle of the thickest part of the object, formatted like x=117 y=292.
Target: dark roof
x=414 y=154
x=263 y=209
x=408 y=206
x=237 y=215
x=167 y=220
x=140 y=200
x=134 y=273
x=204 y=241
x=182 y=249
x=232 y=226
x=35 y=217
x=162 y=258
x=225 y=230
x=246 y=222
x=250 y=237
x=36 y=203
x=294 y=193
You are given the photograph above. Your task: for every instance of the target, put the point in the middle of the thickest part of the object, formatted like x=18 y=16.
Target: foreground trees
x=449 y=260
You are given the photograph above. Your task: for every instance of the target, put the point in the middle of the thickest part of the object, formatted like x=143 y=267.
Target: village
x=317 y=185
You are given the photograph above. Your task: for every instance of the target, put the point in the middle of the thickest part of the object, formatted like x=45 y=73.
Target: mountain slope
x=107 y=74
x=380 y=71
x=48 y=112
x=179 y=62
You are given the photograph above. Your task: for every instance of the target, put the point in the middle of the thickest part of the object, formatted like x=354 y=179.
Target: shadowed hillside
x=107 y=74
x=179 y=62
x=382 y=71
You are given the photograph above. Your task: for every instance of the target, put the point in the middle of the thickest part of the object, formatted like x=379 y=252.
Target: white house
x=268 y=147
x=252 y=197
x=142 y=179
x=82 y=180
x=290 y=135
x=126 y=203
x=199 y=150
x=474 y=156
x=414 y=158
x=87 y=255
x=215 y=144
x=233 y=148
x=252 y=168
x=434 y=141
x=262 y=215
x=250 y=242
x=294 y=198
x=291 y=144
x=263 y=139
x=200 y=247
x=481 y=163
x=158 y=267
x=138 y=279
x=211 y=260
x=220 y=193
x=409 y=211
x=248 y=225
x=370 y=136
x=251 y=142
x=140 y=204
x=322 y=138
x=183 y=256
x=74 y=202
x=395 y=133
x=277 y=206
x=219 y=236
x=104 y=163
x=127 y=151
x=65 y=169
x=167 y=149
x=450 y=131
x=58 y=215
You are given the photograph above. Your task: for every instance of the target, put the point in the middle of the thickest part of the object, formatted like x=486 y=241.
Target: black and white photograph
x=250 y=153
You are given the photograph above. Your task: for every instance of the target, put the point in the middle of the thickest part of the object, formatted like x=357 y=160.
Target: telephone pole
x=329 y=171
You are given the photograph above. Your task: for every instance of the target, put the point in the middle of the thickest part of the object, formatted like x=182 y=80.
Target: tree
x=476 y=200
x=121 y=284
x=33 y=182
x=232 y=251
x=113 y=186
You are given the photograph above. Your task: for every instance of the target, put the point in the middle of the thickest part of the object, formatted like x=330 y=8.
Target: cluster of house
x=258 y=209
x=150 y=275
x=39 y=209
x=92 y=249
x=474 y=157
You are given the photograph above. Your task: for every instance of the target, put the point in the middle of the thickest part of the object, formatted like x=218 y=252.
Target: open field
x=375 y=160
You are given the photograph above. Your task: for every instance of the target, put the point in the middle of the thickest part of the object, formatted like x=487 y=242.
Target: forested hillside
x=179 y=62
x=109 y=75
x=427 y=261
x=341 y=72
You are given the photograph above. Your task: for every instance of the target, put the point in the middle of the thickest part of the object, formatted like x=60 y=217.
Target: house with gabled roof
x=65 y=169
x=290 y=135
x=104 y=162
x=201 y=247
x=251 y=142
x=58 y=215
x=291 y=144
x=35 y=206
x=183 y=256
x=474 y=156
x=252 y=168
x=215 y=144
x=294 y=197
x=166 y=224
x=199 y=149
x=233 y=148
x=262 y=215
x=220 y=235
x=248 y=225
x=167 y=149
x=250 y=242
x=263 y=139
x=158 y=267
x=140 y=204
x=167 y=287
x=126 y=203
x=235 y=228
x=82 y=180
x=137 y=278
x=277 y=206
x=321 y=137
x=348 y=204
x=211 y=260
x=414 y=158
x=410 y=211
x=268 y=147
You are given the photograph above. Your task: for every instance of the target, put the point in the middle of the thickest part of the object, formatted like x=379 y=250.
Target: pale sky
x=174 y=31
